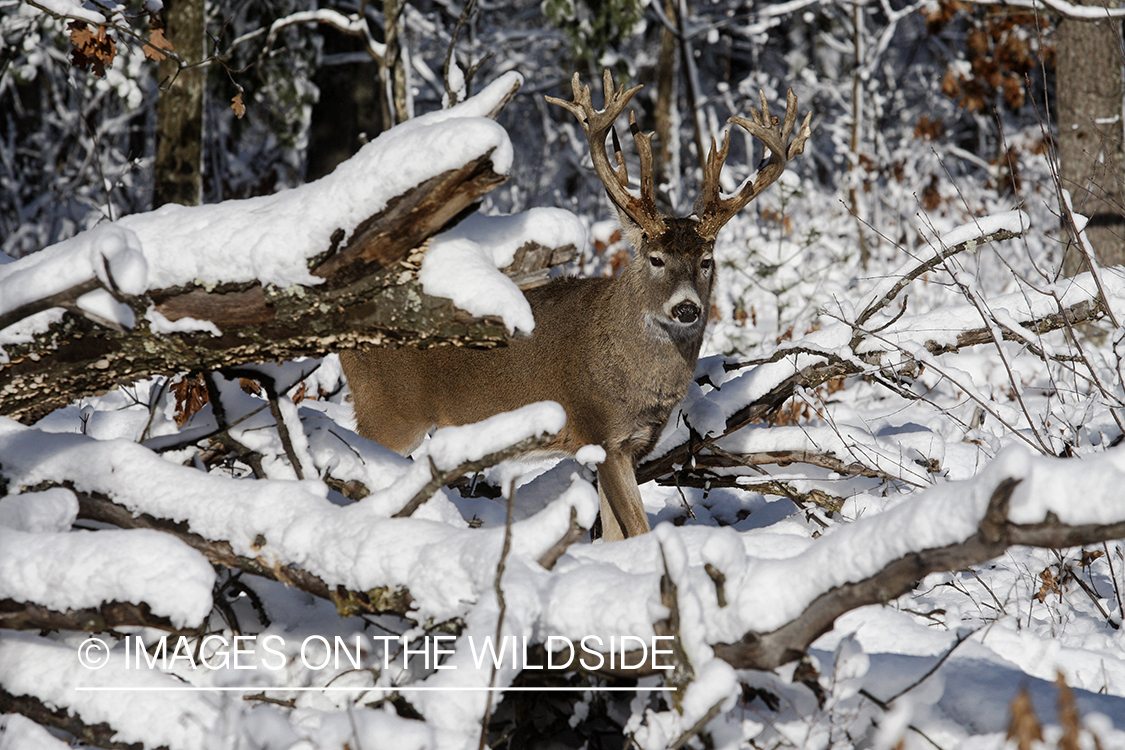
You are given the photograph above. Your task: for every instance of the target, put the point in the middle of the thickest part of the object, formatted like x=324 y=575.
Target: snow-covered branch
x=329 y=265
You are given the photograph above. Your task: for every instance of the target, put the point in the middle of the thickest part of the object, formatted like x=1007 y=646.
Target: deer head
x=663 y=240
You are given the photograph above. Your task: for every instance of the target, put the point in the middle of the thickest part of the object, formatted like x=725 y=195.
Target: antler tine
x=709 y=191
x=644 y=150
x=715 y=211
x=622 y=170
x=597 y=124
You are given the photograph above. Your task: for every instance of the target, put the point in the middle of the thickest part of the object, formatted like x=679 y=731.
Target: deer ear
x=630 y=229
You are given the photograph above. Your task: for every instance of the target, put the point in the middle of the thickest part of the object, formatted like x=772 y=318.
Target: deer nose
x=686 y=312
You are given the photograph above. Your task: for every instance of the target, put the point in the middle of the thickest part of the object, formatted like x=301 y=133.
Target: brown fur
x=610 y=351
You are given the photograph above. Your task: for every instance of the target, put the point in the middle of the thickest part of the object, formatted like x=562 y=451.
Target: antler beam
x=713 y=210
x=597 y=125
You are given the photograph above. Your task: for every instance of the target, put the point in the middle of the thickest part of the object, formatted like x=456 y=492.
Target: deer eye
x=706 y=263
x=656 y=261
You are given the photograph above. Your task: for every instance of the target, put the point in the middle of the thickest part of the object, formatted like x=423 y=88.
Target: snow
x=51 y=672
x=271 y=239
x=72 y=9
x=18 y=733
x=88 y=256
x=456 y=445
x=461 y=263
x=83 y=569
x=50 y=510
x=926 y=427
x=295 y=519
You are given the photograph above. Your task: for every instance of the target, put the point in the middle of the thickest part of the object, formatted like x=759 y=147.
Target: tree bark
x=349 y=110
x=1090 y=149
x=395 y=110
x=369 y=297
x=178 y=171
x=666 y=151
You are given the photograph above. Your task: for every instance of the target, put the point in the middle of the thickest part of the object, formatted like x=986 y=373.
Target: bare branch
x=441 y=478
x=573 y=534
x=941 y=256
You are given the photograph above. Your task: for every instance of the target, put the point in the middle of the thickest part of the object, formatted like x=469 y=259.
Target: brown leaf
x=157 y=45
x=191 y=394
x=1049 y=586
x=237 y=105
x=929 y=130
x=951 y=84
x=931 y=194
x=1024 y=726
x=93 y=49
x=1089 y=556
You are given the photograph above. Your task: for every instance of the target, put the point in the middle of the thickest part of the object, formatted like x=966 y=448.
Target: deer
x=617 y=353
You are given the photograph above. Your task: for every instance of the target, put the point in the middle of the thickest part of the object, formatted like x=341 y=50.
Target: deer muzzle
x=686 y=312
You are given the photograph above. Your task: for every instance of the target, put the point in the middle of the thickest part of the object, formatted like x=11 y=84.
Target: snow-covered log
x=328 y=265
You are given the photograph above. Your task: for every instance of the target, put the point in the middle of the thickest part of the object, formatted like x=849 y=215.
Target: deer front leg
x=623 y=512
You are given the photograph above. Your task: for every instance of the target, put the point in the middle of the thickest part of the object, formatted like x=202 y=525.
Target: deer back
x=617 y=354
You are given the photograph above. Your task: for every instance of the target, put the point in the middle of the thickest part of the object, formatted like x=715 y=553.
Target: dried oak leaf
x=94 y=50
x=237 y=105
x=157 y=45
x=1049 y=585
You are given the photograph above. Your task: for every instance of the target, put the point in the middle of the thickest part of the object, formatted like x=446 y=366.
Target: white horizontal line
x=386 y=688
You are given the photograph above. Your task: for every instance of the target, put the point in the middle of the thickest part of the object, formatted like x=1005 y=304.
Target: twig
x=937 y=665
x=1087 y=252
x=503 y=609
x=989 y=320
x=722 y=458
x=283 y=431
x=441 y=478
x=942 y=255
x=466 y=13
x=573 y=533
x=819 y=498
x=697 y=727
x=1113 y=577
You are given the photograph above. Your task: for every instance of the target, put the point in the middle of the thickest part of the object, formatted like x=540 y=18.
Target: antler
x=616 y=180
x=714 y=211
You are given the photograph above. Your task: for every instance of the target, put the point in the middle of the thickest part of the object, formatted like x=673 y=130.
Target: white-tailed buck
x=618 y=354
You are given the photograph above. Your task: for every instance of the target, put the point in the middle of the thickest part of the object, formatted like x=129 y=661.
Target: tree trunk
x=1091 y=157
x=178 y=172
x=666 y=151
x=395 y=110
x=348 y=112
